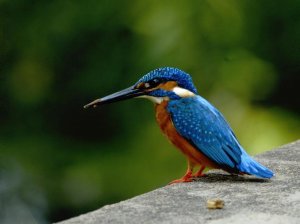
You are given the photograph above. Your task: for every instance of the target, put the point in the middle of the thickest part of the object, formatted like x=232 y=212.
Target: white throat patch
x=154 y=99
x=182 y=92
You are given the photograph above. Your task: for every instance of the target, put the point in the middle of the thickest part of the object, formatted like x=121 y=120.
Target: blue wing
x=206 y=128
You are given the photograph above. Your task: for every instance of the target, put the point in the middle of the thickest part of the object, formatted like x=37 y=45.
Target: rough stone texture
x=247 y=199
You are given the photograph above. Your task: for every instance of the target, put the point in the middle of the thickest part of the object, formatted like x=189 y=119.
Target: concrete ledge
x=247 y=199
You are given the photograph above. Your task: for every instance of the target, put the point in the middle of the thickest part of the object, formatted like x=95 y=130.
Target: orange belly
x=166 y=125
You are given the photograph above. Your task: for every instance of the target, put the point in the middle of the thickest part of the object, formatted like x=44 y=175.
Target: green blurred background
x=58 y=160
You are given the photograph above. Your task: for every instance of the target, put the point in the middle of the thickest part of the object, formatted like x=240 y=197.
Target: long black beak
x=118 y=96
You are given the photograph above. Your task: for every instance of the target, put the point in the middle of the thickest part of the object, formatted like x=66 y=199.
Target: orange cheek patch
x=168 y=85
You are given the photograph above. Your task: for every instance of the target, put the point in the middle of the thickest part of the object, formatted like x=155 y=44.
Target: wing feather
x=205 y=127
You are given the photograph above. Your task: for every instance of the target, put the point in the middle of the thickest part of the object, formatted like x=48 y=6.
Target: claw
x=182 y=180
x=188 y=177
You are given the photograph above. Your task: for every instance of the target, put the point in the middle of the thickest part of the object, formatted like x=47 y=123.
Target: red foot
x=181 y=180
x=186 y=178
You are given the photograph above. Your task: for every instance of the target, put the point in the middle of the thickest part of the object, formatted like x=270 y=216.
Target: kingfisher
x=191 y=123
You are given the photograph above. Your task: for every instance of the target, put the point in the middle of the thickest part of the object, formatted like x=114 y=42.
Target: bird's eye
x=147 y=85
x=152 y=83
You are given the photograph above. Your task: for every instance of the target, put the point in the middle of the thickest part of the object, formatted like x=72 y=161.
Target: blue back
x=199 y=122
x=204 y=127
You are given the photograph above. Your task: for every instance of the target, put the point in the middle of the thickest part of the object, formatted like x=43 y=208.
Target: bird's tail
x=250 y=166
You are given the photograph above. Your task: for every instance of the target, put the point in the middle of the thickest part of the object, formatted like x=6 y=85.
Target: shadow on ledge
x=220 y=177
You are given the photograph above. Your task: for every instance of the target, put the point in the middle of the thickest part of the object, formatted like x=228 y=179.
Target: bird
x=191 y=123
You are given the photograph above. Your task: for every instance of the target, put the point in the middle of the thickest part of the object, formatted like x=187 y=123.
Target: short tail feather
x=250 y=166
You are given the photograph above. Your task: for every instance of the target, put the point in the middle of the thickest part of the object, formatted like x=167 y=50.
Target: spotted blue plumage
x=204 y=127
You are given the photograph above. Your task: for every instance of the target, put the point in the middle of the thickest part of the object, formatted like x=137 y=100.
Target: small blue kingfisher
x=191 y=123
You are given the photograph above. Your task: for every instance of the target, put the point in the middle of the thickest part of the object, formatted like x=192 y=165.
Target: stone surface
x=247 y=199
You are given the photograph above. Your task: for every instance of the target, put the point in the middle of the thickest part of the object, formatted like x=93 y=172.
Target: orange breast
x=166 y=125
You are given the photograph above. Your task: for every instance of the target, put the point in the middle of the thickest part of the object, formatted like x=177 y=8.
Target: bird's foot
x=182 y=180
x=188 y=177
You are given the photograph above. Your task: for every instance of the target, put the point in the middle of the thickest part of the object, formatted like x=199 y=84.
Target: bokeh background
x=58 y=160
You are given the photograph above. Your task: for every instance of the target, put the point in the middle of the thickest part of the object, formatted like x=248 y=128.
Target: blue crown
x=183 y=79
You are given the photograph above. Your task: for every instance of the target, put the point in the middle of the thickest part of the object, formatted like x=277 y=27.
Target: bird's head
x=158 y=85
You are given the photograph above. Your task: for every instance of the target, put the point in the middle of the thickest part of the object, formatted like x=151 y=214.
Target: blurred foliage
x=57 y=160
